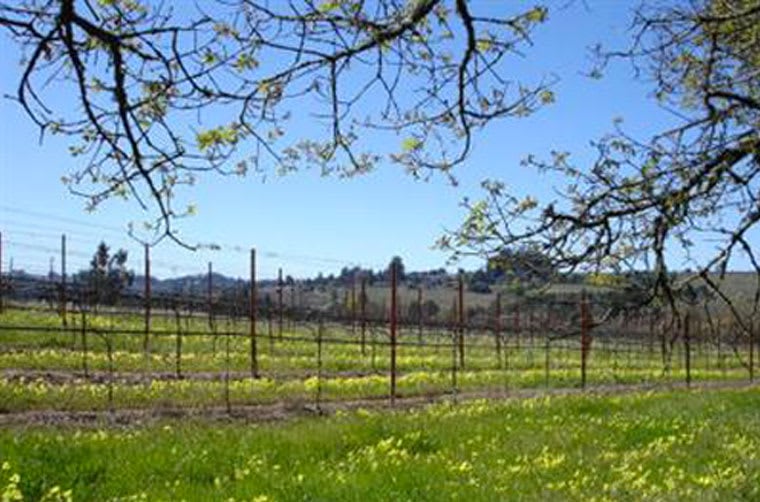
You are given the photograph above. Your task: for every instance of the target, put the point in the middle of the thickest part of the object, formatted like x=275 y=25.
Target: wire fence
x=65 y=345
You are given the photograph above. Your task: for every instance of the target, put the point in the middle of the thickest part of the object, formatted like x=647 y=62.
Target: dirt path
x=291 y=410
x=60 y=377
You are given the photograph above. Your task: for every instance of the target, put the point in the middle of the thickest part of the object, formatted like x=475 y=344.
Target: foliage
x=643 y=204
x=526 y=265
x=167 y=90
x=108 y=276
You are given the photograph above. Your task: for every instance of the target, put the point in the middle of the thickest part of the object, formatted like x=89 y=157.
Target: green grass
x=677 y=445
x=288 y=366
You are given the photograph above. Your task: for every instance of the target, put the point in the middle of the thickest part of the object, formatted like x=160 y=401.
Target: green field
x=677 y=445
x=89 y=414
x=194 y=364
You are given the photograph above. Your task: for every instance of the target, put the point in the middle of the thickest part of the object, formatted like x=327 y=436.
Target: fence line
x=554 y=341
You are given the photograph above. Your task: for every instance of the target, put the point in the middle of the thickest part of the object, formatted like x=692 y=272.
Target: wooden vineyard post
x=516 y=326
x=393 y=319
x=230 y=329
x=147 y=306
x=210 y=294
x=292 y=316
x=419 y=314
x=687 y=348
x=363 y=311
x=585 y=336
x=353 y=305
x=84 y=343
x=252 y=317
x=210 y=306
x=63 y=280
x=318 y=397
x=178 y=344
x=2 y=283
x=460 y=319
x=704 y=347
x=270 y=323
x=751 y=351
x=719 y=333
x=279 y=303
x=497 y=330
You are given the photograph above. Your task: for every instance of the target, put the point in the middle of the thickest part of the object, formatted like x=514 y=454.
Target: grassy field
x=677 y=445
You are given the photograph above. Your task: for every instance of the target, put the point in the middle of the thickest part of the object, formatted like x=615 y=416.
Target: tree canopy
x=645 y=202
x=107 y=278
x=164 y=91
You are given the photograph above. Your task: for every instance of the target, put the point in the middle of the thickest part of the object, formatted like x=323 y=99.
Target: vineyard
x=177 y=354
x=206 y=393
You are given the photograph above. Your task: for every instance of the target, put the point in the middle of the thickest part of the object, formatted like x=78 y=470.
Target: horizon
x=305 y=222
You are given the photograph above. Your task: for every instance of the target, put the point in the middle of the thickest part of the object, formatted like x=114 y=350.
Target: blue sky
x=306 y=223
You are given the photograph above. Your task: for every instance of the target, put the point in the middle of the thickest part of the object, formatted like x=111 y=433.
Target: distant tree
x=430 y=309
x=524 y=264
x=400 y=270
x=480 y=282
x=107 y=277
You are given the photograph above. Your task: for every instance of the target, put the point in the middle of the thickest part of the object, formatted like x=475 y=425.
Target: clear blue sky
x=306 y=223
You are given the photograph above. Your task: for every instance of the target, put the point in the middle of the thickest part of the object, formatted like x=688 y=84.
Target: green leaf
x=411 y=144
x=484 y=44
x=537 y=14
x=220 y=136
x=546 y=97
x=329 y=6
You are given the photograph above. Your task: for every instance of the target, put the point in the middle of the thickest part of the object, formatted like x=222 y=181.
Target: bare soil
x=283 y=411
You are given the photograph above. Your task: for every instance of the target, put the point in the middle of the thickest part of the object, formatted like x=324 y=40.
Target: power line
x=47 y=216
x=207 y=247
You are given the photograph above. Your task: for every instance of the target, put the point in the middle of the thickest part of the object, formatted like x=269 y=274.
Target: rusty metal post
x=584 y=337
x=704 y=346
x=210 y=306
x=227 y=335
x=687 y=347
x=178 y=344
x=63 y=280
x=270 y=323
x=719 y=333
x=318 y=397
x=292 y=316
x=353 y=305
x=252 y=317
x=2 y=283
x=460 y=319
x=532 y=329
x=419 y=314
x=84 y=343
x=393 y=319
x=516 y=325
x=209 y=295
x=279 y=303
x=147 y=295
x=363 y=309
x=751 y=351
x=497 y=330
x=147 y=307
